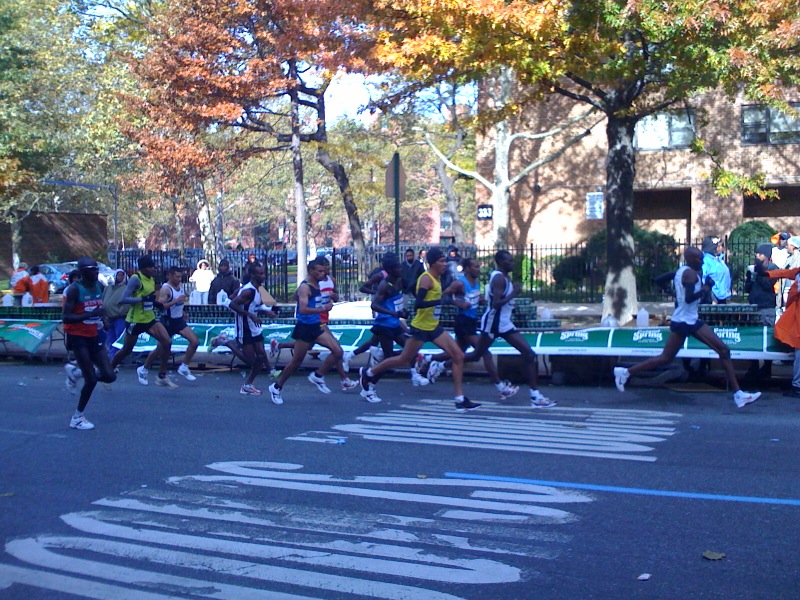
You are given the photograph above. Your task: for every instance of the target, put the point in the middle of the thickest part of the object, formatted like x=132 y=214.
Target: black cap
x=145 y=261
x=434 y=254
x=84 y=262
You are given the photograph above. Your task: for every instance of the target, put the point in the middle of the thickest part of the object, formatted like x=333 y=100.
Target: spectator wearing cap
x=225 y=281
x=761 y=292
x=202 y=278
x=715 y=267
x=412 y=270
x=779 y=253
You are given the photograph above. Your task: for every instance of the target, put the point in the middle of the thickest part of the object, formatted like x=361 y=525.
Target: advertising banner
x=28 y=335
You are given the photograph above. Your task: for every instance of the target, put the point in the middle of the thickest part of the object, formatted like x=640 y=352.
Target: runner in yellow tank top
x=425 y=328
x=427 y=319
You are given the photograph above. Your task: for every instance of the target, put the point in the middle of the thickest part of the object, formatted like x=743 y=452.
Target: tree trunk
x=15 y=222
x=500 y=191
x=176 y=214
x=343 y=181
x=452 y=201
x=207 y=235
x=619 y=300
x=298 y=189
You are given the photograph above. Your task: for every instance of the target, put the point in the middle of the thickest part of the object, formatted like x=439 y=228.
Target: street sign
x=485 y=212
x=595 y=206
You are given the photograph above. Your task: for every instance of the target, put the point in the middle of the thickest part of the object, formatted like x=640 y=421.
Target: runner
x=327 y=288
x=387 y=305
x=425 y=328
x=172 y=298
x=496 y=322
x=465 y=327
x=140 y=293
x=82 y=315
x=308 y=331
x=685 y=322
x=246 y=305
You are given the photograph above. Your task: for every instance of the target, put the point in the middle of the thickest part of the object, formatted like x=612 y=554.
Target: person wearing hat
x=424 y=328
x=761 y=292
x=140 y=294
x=202 y=278
x=225 y=281
x=115 y=310
x=83 y=315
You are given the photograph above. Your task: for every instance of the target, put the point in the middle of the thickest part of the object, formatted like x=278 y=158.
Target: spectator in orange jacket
x=787 y=329
x=38 y=286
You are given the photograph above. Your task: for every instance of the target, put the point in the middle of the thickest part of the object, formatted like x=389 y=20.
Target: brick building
x=673 y=192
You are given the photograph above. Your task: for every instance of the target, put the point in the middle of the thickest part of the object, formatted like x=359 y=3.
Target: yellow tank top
x=427 y=319
x=142 y=312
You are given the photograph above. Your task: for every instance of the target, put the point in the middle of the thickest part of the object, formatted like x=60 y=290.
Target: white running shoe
x=348 y=384
x=274 y=348
x=71 y=382
x=248 y=389
x=80 y=423
x=506 y=390
x=423 y=360
x=436 y=369
x=375 y=355
x=417 y=379
x=166 y=382
x=742 y=398
x=370 y=395
x=275 y=394
x=219 y=340
x=141 y=373
x=346 y=358
x=539 y=400
x=319 y=382
x=184 y=370
x=621 y=376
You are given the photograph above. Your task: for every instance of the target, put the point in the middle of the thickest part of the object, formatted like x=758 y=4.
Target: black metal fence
x=548 y=273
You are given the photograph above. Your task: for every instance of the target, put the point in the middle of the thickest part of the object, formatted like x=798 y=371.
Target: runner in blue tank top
x=309 y=331
x=685 y=323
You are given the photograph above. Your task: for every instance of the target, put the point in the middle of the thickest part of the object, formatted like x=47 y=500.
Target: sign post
x=396 y=188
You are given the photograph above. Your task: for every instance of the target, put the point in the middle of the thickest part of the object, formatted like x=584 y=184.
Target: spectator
x=779 y=254
x=761 y=292
x=115 y=311
x=787 y=329
x=412 y=269
x=202 y=278
x=715 y=267
x=251 y=261
x=225 y=281
x=17 y=283
x=453 y=266
x=38 y=286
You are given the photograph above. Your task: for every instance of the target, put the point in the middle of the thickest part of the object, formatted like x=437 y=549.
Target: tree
x=626 y=59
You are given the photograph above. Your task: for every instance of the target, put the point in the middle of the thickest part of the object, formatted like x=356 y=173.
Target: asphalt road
x=199 y=492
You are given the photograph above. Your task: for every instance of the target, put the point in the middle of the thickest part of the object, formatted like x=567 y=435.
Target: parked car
x=57 y=275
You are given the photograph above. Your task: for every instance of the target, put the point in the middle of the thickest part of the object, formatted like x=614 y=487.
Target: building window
x=665 y=130
x=766 y=125
x=446 y=221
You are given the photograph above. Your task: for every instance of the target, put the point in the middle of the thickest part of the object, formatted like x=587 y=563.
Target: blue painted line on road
x=627 y=490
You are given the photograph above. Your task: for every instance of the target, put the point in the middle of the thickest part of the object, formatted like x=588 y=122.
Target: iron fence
x=547 y=273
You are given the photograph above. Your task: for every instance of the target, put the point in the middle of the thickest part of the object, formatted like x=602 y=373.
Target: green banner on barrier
x=28 y=335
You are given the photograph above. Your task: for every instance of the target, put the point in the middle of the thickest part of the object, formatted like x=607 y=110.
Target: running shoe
x=621 y=376
x=71 y=382
x=346 y=358
x=423 y=360
x=436 y=369
x=141 y=373
x=184 y=370
x=319 y=382
x=506 y=390
x=274 y=348
x=166 y=382
x=219 y=340
x=80 y=423
x=370 y=395
x=375 y=355
x=466 y=405
x=248 y=389
x=417 y=379
x=364 y=379
x=348 y=384
x=539 y=400
x=275 y=394
x=742 y=398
